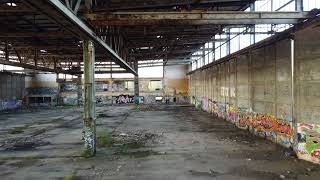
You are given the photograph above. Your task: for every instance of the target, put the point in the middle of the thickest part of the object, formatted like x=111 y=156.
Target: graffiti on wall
x=69 y=87
x=265 y=125
x=221 y=110
x=276 y=130
x=42 y=90
x=196 y=102
x=10 y=104
x=124 y=99
x=231 y=114
x=204 y=104
x=309 y=142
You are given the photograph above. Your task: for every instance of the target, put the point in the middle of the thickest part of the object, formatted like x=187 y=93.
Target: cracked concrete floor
x=166 y=143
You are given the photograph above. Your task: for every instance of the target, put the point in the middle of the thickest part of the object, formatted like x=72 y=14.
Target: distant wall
x=176 y=80
x=41 y=90
x=11 y=90
x=253 y=89
x=44 y=90
x=120 y=91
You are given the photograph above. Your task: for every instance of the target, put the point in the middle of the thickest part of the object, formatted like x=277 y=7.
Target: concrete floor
x=148 y=143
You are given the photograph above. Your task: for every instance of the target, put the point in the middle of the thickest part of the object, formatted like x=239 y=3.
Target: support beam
x=196 y=18
x=89 y=119
x=29 y=66
x=134 y=5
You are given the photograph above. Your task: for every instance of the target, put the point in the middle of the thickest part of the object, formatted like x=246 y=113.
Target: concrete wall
x=307 y=53
x=253 y=90
x=11 y=90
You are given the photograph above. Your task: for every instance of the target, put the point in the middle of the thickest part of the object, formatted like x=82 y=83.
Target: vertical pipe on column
x=89 y=131
x=293 y=95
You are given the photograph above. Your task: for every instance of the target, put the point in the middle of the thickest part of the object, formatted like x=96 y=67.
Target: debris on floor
x=22 y=143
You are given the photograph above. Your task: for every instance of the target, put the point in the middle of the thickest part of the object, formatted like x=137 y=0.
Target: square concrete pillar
x=136 y=84
x=89 y=130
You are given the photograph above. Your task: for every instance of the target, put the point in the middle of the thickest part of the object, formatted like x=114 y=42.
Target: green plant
x=72 y=176
x=18 y=130
x=104 y=138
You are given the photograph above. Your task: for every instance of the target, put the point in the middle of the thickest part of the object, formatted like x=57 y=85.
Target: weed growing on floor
x=31 y=157
x=104 y=138
x=135 y=108
x=70 y=177
x=87 y=154
x=18 y=130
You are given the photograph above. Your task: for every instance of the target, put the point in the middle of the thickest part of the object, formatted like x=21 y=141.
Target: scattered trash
x=118 y=168
x=282 y=176
x=309 y=169
x=123 y=134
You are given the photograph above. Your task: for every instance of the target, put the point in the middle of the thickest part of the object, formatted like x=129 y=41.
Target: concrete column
x=253 y=27
x=89 y=131
x=203 y=56
x=228 y=49
x=136 y=83
x=79 y=89
x=58 y=91
x=299 y=5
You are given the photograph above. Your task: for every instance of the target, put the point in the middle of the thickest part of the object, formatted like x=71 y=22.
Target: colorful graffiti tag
x=124 y=99
x=309 y=142
x=244 y=119
x=10 y=104
x=264 y=125
x=276 y=130
x=204 y=104
x=231 y=114
x=196 y=102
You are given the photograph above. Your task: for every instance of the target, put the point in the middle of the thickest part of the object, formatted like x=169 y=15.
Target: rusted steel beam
x=135 y=5
x=196 y=18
